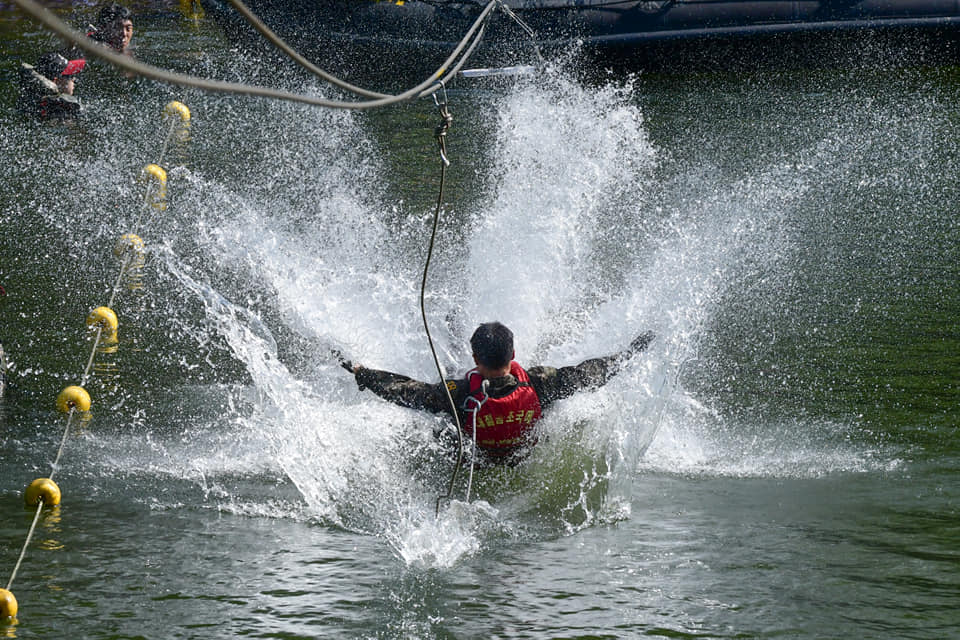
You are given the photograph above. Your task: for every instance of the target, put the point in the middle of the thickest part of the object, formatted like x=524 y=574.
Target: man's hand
x=354 y=369
x=641 y=342
x=346 y=364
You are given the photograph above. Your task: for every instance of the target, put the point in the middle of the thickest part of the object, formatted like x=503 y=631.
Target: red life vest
x=503 y=424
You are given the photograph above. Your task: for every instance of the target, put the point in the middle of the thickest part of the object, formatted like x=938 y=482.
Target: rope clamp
x=447 y=120
x=477 y=404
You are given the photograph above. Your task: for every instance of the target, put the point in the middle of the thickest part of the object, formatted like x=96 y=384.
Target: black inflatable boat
x=664 y=34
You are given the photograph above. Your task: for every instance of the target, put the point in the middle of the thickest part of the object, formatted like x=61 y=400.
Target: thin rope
x=23 y=551
x=425 y=88
x=116 y=288
x=166 y=139
x=63 y=441
x=441 y=134
x=523 y=25
x=473 y=457
x=93 y=352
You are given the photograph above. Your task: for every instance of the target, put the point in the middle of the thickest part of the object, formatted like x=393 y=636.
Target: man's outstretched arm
x=552 y=384
x=404 y=391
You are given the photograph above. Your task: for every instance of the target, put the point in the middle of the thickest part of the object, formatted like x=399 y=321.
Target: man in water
x=47 y=89
x=502 y=399
x=114 y=27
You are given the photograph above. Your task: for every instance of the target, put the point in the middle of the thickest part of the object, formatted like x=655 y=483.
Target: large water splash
x=578 y=244
x=533 y=258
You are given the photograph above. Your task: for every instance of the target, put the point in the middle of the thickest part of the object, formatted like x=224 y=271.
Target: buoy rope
x=146 y=206
x=425 y=88
x=63 y=440
x=36 y=514
x=174 y=124
x=23 y=551
x=55 y=465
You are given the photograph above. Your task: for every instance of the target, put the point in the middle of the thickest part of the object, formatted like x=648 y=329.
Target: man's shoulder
x=458 y=386
x=541 y=372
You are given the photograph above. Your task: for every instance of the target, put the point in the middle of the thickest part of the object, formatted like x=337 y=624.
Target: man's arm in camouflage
x=404 y=391
x=552 y=384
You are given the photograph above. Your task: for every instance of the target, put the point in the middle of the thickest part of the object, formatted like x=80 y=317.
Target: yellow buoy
x=42 y=489
x=8 y=605
x=106 y=320
x=178 y=109
x=156 y=172
x=156 y=195
x=73 y=397
x=128 y=242
x=192 y=9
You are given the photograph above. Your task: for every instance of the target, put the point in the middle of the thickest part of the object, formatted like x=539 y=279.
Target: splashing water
x=531 y=260
x=577 y=244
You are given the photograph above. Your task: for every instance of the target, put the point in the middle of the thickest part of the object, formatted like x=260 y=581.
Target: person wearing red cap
x=62 y=71
x=46 y=90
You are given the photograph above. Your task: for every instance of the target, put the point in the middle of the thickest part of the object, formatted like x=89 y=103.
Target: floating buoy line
x=103 y=321
x=103 y=324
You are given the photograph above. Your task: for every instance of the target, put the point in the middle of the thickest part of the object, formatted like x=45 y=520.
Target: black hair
x=51 y=65
x=492 y=345
x=112 y=12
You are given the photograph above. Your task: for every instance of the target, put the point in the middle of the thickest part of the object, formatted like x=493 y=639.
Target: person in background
x=114 y=27
x=502 y=399
x=46 y=90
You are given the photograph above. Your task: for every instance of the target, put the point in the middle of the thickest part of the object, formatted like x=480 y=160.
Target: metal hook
x=445 y=123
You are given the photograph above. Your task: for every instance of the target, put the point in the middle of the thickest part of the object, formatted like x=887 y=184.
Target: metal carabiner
x=447 y=120
x=479 y=403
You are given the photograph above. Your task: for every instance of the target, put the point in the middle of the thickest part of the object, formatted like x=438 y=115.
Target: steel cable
x=425 y=88
x=279 y=43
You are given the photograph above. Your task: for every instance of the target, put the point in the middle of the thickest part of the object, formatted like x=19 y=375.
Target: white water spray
x=572 y=191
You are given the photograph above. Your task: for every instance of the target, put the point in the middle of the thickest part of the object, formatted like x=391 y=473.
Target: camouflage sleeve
x=407 y=392
x=552 y=384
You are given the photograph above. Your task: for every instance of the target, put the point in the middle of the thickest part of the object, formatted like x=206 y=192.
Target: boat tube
x=620 y=33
